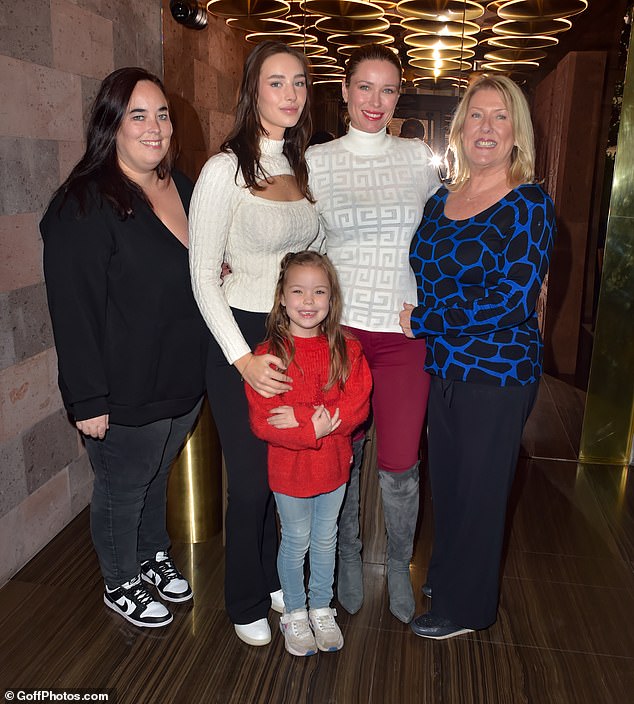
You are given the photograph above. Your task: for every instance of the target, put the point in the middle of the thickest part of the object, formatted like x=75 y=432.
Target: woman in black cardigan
x=130 y=341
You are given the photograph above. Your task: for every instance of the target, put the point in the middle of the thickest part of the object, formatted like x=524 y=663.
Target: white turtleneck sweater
x=228 y=223
x=371 y=190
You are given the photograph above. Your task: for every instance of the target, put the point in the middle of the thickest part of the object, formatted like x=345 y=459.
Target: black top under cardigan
x=130 y=339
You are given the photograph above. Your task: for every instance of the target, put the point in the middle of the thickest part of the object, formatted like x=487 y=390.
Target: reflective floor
x=565 y=632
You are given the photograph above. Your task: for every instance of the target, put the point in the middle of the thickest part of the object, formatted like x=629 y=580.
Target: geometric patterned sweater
x=370 y=191
x=298 y=464
x=478 y=283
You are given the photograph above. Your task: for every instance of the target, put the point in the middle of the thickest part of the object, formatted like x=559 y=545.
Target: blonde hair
x=278 y=336
x=522 y=168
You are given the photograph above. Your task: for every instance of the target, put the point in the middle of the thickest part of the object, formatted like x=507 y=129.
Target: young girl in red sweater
x=308 y=431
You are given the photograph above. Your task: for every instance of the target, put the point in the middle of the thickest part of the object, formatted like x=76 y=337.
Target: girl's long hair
x=99 y=166
x=278 y=336
x=244 y=138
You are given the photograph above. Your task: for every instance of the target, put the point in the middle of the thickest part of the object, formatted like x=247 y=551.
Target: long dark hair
x=244 y=138
x=278 y=334
x=99 y=165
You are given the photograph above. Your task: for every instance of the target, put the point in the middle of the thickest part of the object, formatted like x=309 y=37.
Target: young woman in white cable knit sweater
x=251 y=205
x=370 y=189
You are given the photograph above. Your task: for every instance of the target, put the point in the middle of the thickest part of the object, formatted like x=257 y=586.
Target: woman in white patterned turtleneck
x=251 y=205
x=370 y=190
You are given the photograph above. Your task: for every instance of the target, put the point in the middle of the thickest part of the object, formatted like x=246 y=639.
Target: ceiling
x=440 y=42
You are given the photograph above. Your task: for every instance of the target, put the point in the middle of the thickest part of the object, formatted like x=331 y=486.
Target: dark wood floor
x=565 y=632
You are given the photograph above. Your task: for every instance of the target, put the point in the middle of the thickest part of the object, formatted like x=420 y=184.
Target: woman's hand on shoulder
x=94 y=427
x=264 y=373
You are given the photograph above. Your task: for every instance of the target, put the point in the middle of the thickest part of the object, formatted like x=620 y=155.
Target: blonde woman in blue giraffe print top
x=479 y=256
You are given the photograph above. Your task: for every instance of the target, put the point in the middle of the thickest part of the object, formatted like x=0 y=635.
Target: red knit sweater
x=299 y=464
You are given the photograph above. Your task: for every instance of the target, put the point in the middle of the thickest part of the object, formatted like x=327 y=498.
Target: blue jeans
x=308 y=523
x=127 y=511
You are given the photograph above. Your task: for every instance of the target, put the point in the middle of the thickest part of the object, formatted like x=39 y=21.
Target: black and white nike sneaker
x=135 y=603
x=169 y=582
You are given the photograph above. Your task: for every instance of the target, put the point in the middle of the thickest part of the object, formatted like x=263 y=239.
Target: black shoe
x=426 y=589
x=428 y=626
x=169 y=582
x=133 y=601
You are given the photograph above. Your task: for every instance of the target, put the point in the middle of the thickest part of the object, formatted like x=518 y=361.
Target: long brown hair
x=278 y=335
x=244 y=138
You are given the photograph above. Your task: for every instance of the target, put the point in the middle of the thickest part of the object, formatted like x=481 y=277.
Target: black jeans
x=127 y=511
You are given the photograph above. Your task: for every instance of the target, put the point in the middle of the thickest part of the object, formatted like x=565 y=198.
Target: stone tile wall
x=53 y=55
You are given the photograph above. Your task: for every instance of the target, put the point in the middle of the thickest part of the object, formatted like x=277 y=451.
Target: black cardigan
x=130 y=339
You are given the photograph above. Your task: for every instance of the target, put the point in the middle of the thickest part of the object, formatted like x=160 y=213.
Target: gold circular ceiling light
x=290 y=38
x=420 y=53
x=526 y=27
x=510 y=66
x=353 y=9
x=347 y=25
x=318 y=70
x=542 y=9
x=535 y=41
x=514 y=55
x=248 y=8
x=455 y=29
x=433 y=41
x=441 y=64
x=271 y=25
x=347 y=49
x=359 y=39
x=456 y=10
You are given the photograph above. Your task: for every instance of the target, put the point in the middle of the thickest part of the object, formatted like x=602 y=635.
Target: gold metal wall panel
x=608 y=424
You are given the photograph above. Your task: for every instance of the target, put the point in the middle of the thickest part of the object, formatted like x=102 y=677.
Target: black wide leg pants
x=475 y=431
x=250 y=527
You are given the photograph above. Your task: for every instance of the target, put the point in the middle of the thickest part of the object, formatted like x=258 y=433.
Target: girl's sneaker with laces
x=328 y=635
x=298 y=638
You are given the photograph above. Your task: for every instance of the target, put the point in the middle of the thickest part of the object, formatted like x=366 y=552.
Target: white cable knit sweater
x=371 y=190
x=229 y=223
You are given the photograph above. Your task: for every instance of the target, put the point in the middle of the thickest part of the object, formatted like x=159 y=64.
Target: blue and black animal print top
x=478 y=282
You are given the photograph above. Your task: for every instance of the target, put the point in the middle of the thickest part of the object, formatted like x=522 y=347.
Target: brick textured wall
x=53 y=55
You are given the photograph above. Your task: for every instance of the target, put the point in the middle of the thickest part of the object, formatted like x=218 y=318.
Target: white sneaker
x=277 y=601
x=328 y=635
x=298 y=638
x=256 y=633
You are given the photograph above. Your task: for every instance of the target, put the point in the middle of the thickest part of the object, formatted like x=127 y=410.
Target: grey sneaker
x=327 y=633
x=298 y=638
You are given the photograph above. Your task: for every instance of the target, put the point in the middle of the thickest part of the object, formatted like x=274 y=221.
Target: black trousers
x=250 y=527
x=474 y=434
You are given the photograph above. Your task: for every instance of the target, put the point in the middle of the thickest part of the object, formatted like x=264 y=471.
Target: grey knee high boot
x=400 y=493
x=349 y=566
